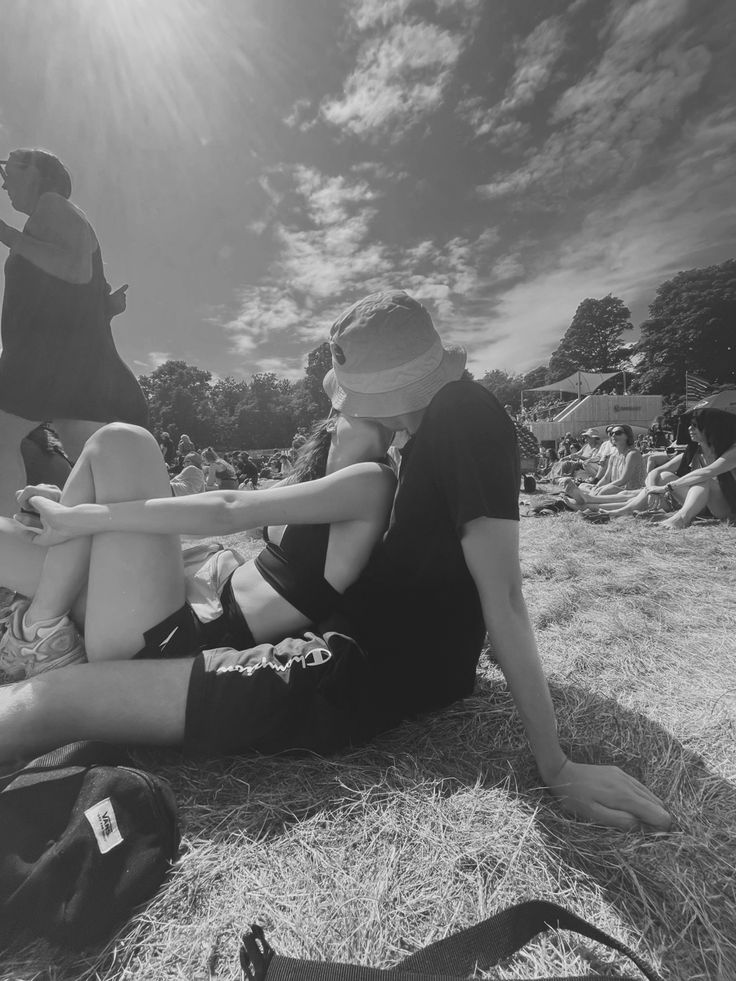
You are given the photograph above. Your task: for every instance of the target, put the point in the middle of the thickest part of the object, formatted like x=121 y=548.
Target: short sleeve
x=475 y=453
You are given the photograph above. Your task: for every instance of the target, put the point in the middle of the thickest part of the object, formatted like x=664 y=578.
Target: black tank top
x=296 y=569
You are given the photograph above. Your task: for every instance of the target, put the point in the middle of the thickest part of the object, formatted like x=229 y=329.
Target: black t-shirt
x=415 y=609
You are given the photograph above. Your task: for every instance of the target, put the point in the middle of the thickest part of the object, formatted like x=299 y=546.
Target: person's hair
x=54 y=175
x=193 y=459
x=311 y=460
x=185 y=438
x=628 y=430
x=210 y=454
x=718 y=427
x=46 y=440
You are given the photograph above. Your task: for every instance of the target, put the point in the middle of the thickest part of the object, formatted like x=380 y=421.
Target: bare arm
x=343 y=496
x=723 y=464
x=604 y=794
x=56 y=238
x=669 y=467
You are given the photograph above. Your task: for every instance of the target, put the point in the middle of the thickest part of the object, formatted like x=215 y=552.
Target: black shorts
x=312 y=693
x=183 y=634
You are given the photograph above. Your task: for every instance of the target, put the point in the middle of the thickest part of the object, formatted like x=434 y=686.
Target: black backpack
x=82 y=842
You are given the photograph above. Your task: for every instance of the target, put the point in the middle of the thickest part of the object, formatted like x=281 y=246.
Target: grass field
x=373 y=854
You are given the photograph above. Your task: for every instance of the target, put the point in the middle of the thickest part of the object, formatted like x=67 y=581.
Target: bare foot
x=570 y=489
x=674 y=522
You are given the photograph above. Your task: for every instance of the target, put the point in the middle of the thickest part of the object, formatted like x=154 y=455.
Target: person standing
x=59 y=363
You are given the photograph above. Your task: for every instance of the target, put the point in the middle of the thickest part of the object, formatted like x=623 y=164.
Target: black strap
x=455 y=957
x=74 y=754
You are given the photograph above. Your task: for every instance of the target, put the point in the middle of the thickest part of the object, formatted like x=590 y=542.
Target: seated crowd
x=610 y=477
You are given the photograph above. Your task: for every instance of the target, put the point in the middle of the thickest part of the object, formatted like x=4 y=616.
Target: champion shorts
x=303 y=694
x=183 y=634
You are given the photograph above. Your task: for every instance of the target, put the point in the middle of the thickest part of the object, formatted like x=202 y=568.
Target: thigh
x=135 y=580
x=310 y=693
x=717 y=503
x=21 y=561
x=74 y=433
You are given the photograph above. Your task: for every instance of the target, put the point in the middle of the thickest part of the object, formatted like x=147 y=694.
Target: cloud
x=400 y=76
x=627 y=246
x=537 y=56
x=605 y=125
x=155 y=360
x=264 y=310
x=367 y=14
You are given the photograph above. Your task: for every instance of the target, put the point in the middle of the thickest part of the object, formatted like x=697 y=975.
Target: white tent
x=579 y=383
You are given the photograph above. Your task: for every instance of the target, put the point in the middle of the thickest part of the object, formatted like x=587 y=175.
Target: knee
x=120 y=439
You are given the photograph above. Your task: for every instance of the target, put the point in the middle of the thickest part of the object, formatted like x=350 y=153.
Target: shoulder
x=56 y=214
x=464 y=406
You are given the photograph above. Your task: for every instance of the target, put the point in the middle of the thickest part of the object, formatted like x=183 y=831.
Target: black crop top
x=296 y=569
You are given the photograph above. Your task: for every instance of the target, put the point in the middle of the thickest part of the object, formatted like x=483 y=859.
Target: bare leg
x=694 y=500
x=12 y=470
x=74 y=433
x=133 y=581
x=140 y=702
x=21 y=562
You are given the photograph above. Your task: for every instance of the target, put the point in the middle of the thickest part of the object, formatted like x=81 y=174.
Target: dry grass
x=373 y=854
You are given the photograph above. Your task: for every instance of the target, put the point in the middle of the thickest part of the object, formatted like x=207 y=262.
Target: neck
x=410 y=421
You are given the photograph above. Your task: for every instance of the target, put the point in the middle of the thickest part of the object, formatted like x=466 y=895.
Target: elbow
x=228 y=513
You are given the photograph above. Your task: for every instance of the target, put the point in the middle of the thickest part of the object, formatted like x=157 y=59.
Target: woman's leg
x=74 y=433
x=694 y=500
x=133 y=581
x=13 y=429
x=140 y=702
x=585 y=499
x=21 y=561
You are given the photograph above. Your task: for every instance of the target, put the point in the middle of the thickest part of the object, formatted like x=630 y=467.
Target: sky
x=252 y=167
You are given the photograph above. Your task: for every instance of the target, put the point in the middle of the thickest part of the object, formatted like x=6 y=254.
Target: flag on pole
x=696 y=388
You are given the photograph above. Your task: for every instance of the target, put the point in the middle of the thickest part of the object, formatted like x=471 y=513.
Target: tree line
x=691 y=327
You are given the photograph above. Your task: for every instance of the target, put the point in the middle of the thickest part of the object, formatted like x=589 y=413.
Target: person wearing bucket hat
x=387 y=358
x=408 y=633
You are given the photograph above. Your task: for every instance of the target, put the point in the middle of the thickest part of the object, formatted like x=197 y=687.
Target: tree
x=592 y=342
x=178 y=397
x=319 y=362
x=691 y=328
x=228 y=396
x=506 y=388
x=267 y=418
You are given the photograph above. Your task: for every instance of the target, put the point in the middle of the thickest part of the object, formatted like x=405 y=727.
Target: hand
x=6 y=233
x=23 y=496
x=658 y=489
x=608 y=796
x=49 y=526
x=117 y=302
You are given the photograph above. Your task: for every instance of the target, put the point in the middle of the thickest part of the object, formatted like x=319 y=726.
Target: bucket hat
x=387 y=357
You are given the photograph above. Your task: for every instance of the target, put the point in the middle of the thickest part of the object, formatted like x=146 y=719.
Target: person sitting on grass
x=639 y=502
x=410 y=629
x=624 y=472
x=190 y=479
x=709 y=490
x=220 y=474
x=137 y=595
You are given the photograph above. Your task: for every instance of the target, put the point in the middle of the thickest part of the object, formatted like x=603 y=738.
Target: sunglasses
x=618 y=432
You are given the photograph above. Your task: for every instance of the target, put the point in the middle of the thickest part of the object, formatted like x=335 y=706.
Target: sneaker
x=54 y=646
